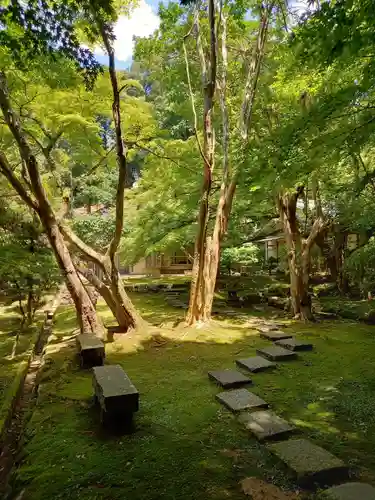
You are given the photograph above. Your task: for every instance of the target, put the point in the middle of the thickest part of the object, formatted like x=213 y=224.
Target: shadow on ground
x=186 y=445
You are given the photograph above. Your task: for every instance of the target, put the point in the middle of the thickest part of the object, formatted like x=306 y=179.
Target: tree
x=207 y=246
x=33 y=193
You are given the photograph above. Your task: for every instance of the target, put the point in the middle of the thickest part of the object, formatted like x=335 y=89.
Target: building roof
x=275 y=237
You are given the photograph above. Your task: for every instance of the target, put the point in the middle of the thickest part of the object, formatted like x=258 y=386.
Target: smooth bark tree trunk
x=298 y=256
x=197 y=308
x=207 y=247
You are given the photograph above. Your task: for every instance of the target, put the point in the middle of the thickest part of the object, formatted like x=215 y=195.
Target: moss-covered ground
x=186 y=446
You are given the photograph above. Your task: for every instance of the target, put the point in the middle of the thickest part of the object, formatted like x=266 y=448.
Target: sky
x=143 y=21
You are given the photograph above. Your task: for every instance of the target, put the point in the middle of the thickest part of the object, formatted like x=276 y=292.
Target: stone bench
x=91 y=350
x=116 y=395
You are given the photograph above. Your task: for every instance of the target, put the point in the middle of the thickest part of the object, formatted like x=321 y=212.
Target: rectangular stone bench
x=91 y=350
x=116 y=394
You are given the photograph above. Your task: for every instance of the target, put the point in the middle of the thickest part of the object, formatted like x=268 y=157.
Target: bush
x=360 y=267
x=234 y=258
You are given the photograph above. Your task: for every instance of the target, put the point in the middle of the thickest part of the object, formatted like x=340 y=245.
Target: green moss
x=13 y=370
x=11 y=393
x=186 y=444
x=347 y=308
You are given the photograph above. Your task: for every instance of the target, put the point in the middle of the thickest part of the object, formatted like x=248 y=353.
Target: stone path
x=350 y=491
x=294 y=344
x=229 y=379
x=265 y=425
x=240 y=400
x=312 y=465
x=275 y=335
x=255 y=364
x=276 y=353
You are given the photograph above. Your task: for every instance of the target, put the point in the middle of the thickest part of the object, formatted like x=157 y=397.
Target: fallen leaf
x=260 y=490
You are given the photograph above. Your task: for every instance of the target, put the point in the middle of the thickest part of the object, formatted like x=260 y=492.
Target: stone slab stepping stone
x=255 y=364
x=350 y=491
x=241 y=399
x=265 y=424
x=294 y=344
x=267 y=328
x=310 y=463
x=276 y=353
x=229 y=379
x=275 y=335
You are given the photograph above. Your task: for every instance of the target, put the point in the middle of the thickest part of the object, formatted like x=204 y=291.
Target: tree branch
x=318 y=226
x=192 y=100
x=75 y=240
x=124 y=178
x=253 y=73
x=15 y=183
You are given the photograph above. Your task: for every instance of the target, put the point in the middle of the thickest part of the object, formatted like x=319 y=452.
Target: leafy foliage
x=235 y=257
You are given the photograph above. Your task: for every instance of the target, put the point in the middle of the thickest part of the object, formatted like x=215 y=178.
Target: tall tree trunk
x=299 y=251
x=298 y=256
x=207 y=247
x=197 y=308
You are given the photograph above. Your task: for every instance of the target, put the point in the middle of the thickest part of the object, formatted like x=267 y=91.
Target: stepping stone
x=275 y=335
x=241 y=399
x=350 y=491
x=294 y=344
x=276 y=353
x=266 y=424
x=255 y=364
x=267 y=328
x=229 y=379
x=310 y=463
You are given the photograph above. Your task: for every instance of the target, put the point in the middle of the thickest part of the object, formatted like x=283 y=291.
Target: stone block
x=91 y=350
x=276 y=353
x=265 y=425
x=294 y=344
x=240 y=400
x=311 y=464
x=275 y=335
x=255 y=364
x=350 y=491
x=229 y=379
x=116 y=394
